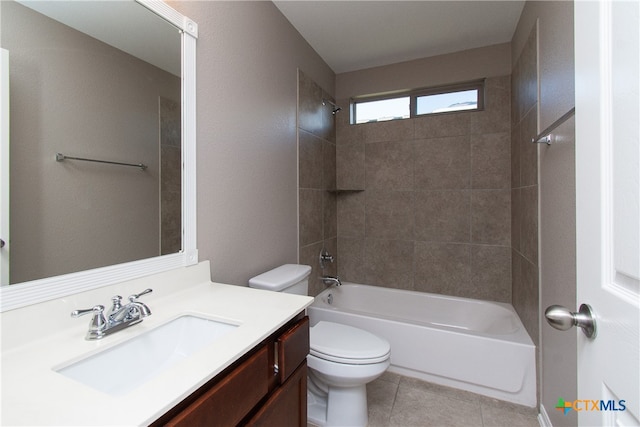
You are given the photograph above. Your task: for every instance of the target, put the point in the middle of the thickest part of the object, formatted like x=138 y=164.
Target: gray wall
x=556 y=203
x=69 y=216
x=247 y=65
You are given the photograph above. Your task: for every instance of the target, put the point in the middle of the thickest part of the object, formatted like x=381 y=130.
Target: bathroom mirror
x=99 y=223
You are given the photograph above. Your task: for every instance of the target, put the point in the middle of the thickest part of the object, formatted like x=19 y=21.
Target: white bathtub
x=478 y=346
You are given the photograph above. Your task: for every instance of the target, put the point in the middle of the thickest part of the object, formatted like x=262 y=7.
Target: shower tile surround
x=434 y=213
x=444 y=203
x=316 y=180
x=524 y=186
x=170 y=177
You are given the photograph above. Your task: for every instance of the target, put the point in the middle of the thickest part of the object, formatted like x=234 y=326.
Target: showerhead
x=335 y=107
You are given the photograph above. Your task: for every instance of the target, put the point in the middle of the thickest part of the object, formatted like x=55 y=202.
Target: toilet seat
x=345 y=344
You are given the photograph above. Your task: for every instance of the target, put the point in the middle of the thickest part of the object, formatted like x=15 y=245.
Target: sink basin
x=120 y=369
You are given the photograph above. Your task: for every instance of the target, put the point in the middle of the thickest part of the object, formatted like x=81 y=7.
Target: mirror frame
x=36 y=291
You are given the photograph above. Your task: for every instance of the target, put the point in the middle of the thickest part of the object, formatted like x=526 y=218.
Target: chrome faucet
x=330 y=280
x=119 y=316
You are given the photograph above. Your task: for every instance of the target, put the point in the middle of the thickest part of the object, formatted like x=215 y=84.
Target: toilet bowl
x=341 y=361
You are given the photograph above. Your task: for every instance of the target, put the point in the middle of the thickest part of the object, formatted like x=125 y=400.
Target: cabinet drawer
x=232 y=398
x=293 y=347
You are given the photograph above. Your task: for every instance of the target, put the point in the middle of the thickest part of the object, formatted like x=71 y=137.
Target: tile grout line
x=393 y=405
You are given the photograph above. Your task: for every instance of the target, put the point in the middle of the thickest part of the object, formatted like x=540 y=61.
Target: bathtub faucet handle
x=325 y=257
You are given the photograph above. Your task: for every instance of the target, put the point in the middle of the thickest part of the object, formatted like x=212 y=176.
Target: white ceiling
x=353 y=35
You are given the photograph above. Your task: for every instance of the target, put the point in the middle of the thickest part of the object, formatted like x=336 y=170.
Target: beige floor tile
x=441 y=390
x=398 y=401
x=391 y=377
x=508 y=416
x=381 y=395
x=415 y=406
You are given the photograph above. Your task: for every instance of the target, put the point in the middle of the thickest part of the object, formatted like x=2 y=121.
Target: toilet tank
x=288 y=278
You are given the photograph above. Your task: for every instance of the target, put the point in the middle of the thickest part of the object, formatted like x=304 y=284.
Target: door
x=607 y=48
x=4 y=167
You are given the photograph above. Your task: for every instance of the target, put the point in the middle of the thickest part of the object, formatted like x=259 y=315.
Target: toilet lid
x=346 y=344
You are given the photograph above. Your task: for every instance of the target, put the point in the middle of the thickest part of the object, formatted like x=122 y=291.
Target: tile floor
x=397 y=401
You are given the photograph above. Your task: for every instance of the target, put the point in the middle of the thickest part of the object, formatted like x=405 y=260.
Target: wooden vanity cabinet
x=288 y=404
x=266 y=387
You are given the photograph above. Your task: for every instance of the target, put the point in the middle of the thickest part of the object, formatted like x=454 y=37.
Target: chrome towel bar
x=61 y=157
x=545 y=135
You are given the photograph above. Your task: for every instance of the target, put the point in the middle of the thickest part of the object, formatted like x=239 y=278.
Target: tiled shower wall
x=426 y=202
x=524 y=186
x=170 y=177
x=316 y=179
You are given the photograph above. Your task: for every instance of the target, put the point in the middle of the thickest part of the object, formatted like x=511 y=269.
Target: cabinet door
x=232 y=398
x=287 y=407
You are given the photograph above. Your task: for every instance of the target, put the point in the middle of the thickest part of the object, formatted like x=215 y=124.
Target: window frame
x=414 y=94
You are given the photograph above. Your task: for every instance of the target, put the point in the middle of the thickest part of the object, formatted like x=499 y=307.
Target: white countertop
x=34 y=394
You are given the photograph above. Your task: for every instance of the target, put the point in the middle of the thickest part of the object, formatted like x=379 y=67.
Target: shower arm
x=336 y=108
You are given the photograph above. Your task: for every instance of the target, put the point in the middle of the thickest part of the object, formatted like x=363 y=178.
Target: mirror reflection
x=96 y=80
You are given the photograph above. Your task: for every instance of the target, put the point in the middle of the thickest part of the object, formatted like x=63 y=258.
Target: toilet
x=341 y=361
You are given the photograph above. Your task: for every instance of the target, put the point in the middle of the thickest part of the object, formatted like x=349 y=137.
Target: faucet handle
x=134 y=297
x=325 y=257
x=98 y=323
x=95 y=309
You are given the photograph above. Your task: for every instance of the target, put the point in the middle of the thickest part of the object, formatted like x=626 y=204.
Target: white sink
x=122 y=368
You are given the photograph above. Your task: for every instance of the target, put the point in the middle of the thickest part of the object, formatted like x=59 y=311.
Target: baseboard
x=543 y=418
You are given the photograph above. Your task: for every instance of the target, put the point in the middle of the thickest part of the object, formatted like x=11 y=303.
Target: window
x=383 y=109
x=443 y=99
x=447 y=102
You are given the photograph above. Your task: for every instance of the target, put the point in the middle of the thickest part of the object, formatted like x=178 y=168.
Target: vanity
x=267 y=386
x=254 y=374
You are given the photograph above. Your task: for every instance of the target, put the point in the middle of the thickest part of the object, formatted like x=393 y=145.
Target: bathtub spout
x=330 y=280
